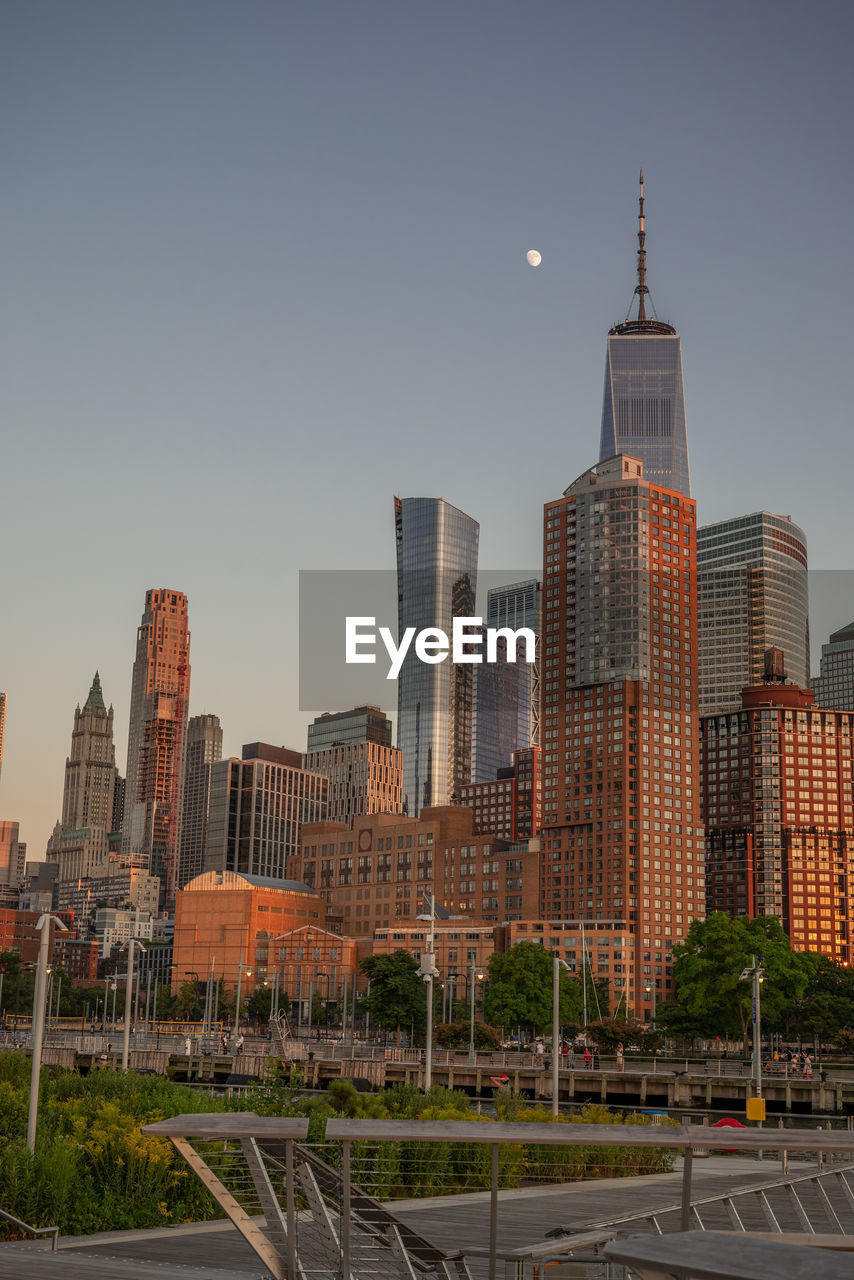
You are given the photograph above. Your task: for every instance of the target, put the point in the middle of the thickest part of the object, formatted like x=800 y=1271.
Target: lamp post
x=130 y=945
x=475 y=974
x=557 y=963
x=241 y=969
x=649 y=986
x=43 y=924
x=756 y=973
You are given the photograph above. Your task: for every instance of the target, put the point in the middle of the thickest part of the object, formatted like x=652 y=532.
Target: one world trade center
x=643 y=414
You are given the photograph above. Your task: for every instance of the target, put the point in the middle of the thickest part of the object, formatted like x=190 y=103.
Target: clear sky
x=263 y=267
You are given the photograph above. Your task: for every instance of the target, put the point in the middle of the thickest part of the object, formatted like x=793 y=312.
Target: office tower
x=157 y=735
x=622 y=843
x=779 y=817
x=752 y=595
x=506 y=715
x=13 y=861
x=353 y=750
x=436 y=582
x=257 y=807
x=509 y=805
x=339 y=728
x=643 y=413
x=90 y=770
x=2 y=727
x=834 y=687
x=204 y=748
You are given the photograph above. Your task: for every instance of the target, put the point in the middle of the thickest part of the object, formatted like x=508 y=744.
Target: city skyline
x=162 y=314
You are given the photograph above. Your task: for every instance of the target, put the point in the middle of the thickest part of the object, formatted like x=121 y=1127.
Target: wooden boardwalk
x=215 y=1251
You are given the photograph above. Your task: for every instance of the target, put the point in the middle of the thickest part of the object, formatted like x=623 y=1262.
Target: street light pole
x=472 y=1056
x=132 y=943
x=43 y=924
x=650 y=987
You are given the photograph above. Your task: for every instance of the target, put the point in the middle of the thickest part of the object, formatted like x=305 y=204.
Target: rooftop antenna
x=640 y=288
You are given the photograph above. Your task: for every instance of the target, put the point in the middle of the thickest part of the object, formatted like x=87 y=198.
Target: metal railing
x=53 y=1232
x=334 y=1223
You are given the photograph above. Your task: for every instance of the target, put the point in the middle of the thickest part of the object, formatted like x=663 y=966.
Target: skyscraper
x=643 y=413
x=90 y=771
x=80 y=840
x=353 y=750
x=506 y=715
x=160 y=693
x=834 y=687
x=436 y=582
x=257 y=808
x=752 y=595
x=204 y=748
x=622 y=842
x=2 y=726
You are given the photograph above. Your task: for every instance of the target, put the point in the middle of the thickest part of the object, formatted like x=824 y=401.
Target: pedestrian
x=588 y=1058
x=620 y=1059
x=807 y=1067
x=564 y=1055
x=540 y=1049
x=240 y=1043
x=595 y=1057
x=223 y=1042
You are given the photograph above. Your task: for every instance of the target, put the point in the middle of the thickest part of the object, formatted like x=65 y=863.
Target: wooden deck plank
x=19 y=1261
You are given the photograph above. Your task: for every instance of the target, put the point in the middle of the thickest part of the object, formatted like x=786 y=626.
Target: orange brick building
x=376 y=871
x=311 y=959
x=221 y=916
x=779 y=811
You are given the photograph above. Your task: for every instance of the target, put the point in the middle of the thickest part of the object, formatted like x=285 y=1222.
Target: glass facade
x=507 y=695
x=643 y=413
x=834 y=687
x=752 y=595
x=436 y=581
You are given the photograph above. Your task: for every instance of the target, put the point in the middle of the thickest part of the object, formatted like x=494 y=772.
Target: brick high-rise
x=157 y=733
x=777 y=798
x=622 y=843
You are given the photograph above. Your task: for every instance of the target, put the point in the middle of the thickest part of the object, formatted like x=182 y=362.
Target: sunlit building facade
x=157 y=735
x=834 y=686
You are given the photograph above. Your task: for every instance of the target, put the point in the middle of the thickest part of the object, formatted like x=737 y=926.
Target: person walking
x=807 y=1073
x=588 y=1059
x=240 y=1043
x=620 y=1057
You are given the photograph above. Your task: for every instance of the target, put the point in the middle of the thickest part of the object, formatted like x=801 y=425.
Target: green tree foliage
x=259 y=1006
x=711 y=996
x=520 y=989
x=456 y=1035
x=827 y=1001
x=397 y=998
x=607 y=1033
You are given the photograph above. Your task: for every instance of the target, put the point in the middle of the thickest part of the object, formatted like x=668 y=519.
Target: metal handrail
x=34 y=1231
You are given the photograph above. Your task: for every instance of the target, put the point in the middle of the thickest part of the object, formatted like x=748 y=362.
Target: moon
x=533 y=257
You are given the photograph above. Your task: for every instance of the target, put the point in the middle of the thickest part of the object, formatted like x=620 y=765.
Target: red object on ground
x=729 y=1122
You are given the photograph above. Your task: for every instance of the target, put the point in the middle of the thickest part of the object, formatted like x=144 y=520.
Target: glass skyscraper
x=643 y=412
x=752 y=595
x=507 y=694
x=834 y=687
x=436 y=582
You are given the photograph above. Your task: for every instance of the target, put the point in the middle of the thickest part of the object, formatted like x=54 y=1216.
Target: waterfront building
x=777 y=802
x=506 y=715
x=378 y=870
x=622 y=842
x=509 y=805
x=224 y=919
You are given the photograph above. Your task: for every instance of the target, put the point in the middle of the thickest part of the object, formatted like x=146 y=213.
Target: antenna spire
x=640 y=288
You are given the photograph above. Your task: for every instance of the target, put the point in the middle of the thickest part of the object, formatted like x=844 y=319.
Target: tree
x=259 y=1006
x=396 y=998
x=456 y=1035
x=713 y=997
x=827 y=1002
x=520 y=989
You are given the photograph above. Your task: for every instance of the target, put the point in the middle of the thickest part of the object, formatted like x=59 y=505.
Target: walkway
x=216 y=1251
